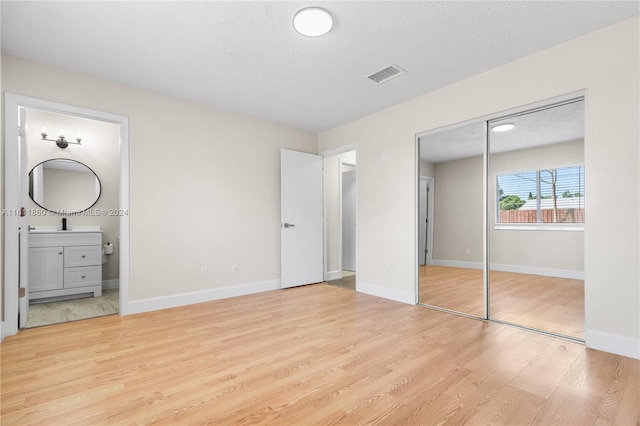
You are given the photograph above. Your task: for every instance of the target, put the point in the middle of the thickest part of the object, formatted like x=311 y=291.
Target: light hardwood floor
x=545 y=303
x=312 y=355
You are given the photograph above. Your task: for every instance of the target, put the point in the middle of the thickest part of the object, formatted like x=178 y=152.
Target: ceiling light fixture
x=504 y=127
x=312 y=22
x=62 y=142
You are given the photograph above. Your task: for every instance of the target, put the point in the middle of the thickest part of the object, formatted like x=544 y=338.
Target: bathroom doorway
x=81 y=271
x=76 y=184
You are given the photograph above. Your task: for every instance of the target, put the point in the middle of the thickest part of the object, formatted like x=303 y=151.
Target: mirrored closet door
x=501 y=208
x=450 y=223
x=536 y=219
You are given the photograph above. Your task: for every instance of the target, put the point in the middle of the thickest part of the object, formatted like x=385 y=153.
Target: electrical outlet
x=204 y=271
x=387 y=269
x=468 y=251
x=234 y=268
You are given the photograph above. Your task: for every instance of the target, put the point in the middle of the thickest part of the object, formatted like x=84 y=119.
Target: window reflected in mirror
x=536 y=220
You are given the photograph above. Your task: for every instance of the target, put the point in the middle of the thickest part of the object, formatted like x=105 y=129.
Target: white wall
x=100 y=150
x=605 y=65
x=1 y=208
x=349 y=216
x=204 y=184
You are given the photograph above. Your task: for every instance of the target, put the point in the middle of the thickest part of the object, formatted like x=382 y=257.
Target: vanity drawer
x=82 y=256
x=82 y=276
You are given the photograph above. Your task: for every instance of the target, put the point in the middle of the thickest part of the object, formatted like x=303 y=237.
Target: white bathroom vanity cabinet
x=64 y=263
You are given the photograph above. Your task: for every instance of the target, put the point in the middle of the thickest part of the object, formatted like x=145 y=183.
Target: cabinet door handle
x=83 y=256
x=84 y=276
x=59 y=252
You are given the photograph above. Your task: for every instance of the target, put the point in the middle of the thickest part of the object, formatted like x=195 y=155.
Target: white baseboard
x=111 y=284
x=546 y=272
x=518 y=269
x=386 y=293
x=175 y=300
x=614 y=343
x=457 y=264
x=334 y=275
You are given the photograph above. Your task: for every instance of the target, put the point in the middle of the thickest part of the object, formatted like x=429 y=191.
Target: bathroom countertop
x=53 y=229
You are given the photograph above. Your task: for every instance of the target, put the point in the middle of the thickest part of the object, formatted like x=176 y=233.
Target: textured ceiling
x=246 y=56
x=547 y=126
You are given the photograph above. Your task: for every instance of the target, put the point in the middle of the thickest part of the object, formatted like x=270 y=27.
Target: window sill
x=539 y=227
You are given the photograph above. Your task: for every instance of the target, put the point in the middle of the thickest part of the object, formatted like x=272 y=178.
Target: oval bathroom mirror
x=64 y=186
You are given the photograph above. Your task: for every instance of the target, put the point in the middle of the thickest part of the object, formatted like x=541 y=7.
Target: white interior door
x=349 y=201
x=23 y=224
x=301 y=222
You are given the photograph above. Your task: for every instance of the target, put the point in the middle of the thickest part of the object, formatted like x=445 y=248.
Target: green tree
x=510 y=202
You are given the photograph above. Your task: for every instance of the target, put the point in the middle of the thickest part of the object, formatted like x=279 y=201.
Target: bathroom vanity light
x=312 y=22
x=503 y=127
x=62 y=142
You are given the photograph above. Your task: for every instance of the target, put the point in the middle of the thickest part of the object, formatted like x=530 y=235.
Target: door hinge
x=21 y=131
x=22 y=292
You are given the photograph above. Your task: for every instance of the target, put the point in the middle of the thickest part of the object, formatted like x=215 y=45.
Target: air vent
x=386 y=74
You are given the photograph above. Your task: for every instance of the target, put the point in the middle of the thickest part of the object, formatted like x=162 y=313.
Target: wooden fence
x=529 y=216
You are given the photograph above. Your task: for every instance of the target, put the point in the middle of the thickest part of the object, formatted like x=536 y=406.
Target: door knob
x=289 y=225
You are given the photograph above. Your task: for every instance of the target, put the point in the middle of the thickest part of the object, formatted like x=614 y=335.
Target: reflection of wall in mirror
x=458 y=212
x=56 y=184
x=562 y=250
x=100 y=150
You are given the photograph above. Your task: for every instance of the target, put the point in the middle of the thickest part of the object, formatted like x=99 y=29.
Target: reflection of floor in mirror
x=72 y=310
x=545 y=303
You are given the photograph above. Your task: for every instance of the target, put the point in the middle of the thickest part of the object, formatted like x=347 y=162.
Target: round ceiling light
x=312 y=22
x=504 y=127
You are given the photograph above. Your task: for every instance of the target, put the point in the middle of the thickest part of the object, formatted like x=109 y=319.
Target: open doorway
x=341 y=195
x=76 y=184
x=89 y=258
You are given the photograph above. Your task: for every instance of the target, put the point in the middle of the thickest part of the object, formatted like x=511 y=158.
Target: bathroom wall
x=100 y=151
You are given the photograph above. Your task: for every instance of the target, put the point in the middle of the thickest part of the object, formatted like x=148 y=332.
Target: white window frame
x=533 y=226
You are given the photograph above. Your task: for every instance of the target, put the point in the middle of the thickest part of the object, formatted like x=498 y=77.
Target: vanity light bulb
x=61 y=132
x=44 y=129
